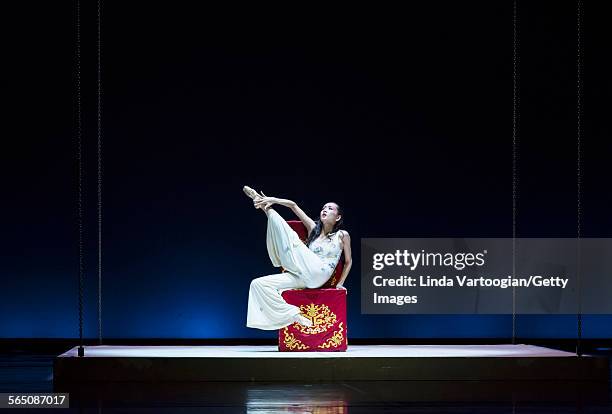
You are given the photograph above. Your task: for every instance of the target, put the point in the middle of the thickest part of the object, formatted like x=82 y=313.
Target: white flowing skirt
x=303 y=269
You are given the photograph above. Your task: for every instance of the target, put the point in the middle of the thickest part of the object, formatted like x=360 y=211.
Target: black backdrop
x=403 y=116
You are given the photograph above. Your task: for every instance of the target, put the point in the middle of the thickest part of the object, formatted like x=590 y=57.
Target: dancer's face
x=329 y=214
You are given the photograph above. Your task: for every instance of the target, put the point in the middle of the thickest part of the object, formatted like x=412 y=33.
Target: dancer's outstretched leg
x=287 y=250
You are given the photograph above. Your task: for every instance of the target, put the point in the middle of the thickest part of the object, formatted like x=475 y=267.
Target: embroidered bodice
x=328 y=249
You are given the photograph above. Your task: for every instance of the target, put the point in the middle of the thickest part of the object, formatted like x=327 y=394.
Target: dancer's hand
x=265 y=202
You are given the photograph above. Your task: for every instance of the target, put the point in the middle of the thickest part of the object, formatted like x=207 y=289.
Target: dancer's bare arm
x=348 y=258
x=266 y=202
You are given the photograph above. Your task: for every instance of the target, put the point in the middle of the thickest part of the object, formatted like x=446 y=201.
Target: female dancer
x=307 y=265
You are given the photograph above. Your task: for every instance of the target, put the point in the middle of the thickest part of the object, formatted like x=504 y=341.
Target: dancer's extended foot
x=251 y=193
x=302 y=320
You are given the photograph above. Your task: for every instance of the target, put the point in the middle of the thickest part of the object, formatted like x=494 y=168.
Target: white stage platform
x=360 y=363
x=354 y=351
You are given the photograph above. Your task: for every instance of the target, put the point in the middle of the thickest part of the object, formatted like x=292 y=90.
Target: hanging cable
x=579 y=167
x=81 y=349
x=515 y=103
x=99 y=174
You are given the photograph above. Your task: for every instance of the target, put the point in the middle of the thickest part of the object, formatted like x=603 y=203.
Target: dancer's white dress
x=305 y=267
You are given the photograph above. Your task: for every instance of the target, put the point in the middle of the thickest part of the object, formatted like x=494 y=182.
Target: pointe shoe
x=302 y=320
x=250 y=192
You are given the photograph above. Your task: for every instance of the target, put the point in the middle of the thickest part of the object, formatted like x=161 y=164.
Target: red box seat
x=325 y=306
